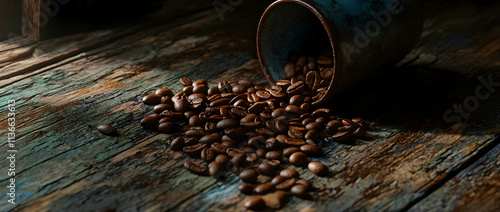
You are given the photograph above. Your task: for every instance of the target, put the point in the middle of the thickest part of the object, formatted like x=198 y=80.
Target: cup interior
x=286 y=28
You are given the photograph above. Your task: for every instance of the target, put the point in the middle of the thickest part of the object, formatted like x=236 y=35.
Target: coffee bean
x=261 y=153
x=246 y=82
x=311 y=150
x=311 y=135
x=313 y=80
x=266 y=169
x=305 y=183
x=225 y=87
x=215 y=170
x=177 y=144
x=255 y=203
x=274 y=155
x=195 y=168
x=219 y=148
x=211 y=138
x=166 y=127
x=257 y=107
x=324 y=61
x=194 y=150
x=107 y=129
x=360 y=132
x=167 y=100
x=222 y=159
x=276 y=199
x=195 y=133
x=227 y=123
x=219 y=102
x=190 y=141
x=188 y=90
x=289 y=173
x=289 y=70
x=181 y=105
x=249 y=175
x=290 y=150
x=195 y=121
x=298 y=190
x=152 y=99
x=278 y=179
x=341 y=136
x=208 y=154
x=318 y=168
x=165 y=92
x=272 y=143
x=295 y=88
x=298 y=159
x=276 y=91
x=292 y=109
x=297 y=100
x=185 y=81
x=294 y=142
x=287 y=184
x=264 y=188
x=239 y=88
x=246 y=188
x=358 y=120
x=200 y=82
x=213 y=90
x=202 y=89
x=252 y=157
x=294 y=133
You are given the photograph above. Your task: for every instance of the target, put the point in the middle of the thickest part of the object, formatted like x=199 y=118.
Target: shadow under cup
x=363 y=36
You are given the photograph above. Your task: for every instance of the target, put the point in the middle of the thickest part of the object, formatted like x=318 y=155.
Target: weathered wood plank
x=474 y=189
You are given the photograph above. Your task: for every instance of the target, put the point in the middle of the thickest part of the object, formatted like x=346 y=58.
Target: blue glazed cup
x=363 y=35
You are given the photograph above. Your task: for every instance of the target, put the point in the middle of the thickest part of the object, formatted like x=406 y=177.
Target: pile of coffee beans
x=251 y=131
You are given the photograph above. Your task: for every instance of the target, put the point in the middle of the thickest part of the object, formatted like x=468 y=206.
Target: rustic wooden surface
x=412 y=159
x=31 y=20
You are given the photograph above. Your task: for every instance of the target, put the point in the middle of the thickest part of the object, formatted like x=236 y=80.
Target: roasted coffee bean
x=233 y=151
x=195 y=133
x=251 y=125
x=297 y=100
x=305 y=106
x=210 y=139
x=275 y=163
x=177 y=144
x=202 y=89
x=294 y=133
x=324 y=61
x=239 y=111
x=312 y=150
x=298 y=190
x=360 y=132
x=237 y=98
x=301 y=62
x=235 y=133
x=246 y=188
x=166 y=127
x=313 y=126
x=161 y=107
x=215 y=170
x=290 y=150
x=239 y=88
x=189 y=114
x=210 y=127
x=318 y=168
x=257 y=107
x=195 y=121
x=219 y=102
x=292 y=109
x=294 y=142
x=190 y=141
x=152 y=99
x=327 y=73
x=249 y=175
x=274 y=155
x=264 y=188
x=185 y=81
x=219 y=148
x=181 y=105
x=278 y=179
x=227 y=123
x=213 y=90
x=225 y=87
x=298 y=159
x=255 y=203
x=195 y=168
x=264 y=95
x=222 y=159
x=305 y=183
x=261 y=153
x=313 y=80
x=252 y=157
x=289 y=70
x=266 y=169
x=277 y=92
x=333 y=125
x=165 y=92
x=246 y=82
x=208 y=154
x=179 y=116
x=200 y=82
x=289 y=173
x=272 y=143
x=188 y=90
x=287 y=184
x=311 y=135
x=107 y=129
x=295 y=88
x=167 y=100
x=348 y=128
x=194 y=150
x=238 y=159
x=341 y=136
x=358 y=120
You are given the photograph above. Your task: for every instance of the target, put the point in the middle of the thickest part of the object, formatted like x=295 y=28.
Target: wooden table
x=413 y=159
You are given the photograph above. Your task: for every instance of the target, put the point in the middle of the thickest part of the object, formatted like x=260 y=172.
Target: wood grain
x=31 y=20
x=410 y=151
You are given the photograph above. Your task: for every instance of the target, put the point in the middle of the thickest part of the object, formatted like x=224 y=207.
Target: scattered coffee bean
x=246 y=188
x=318 y=168
x=255 y=203
x=107 y=129
x=264 y=188
x=195 y=168
x=289 y=173
x=298 y=190
x=177 y=144
x=249 y=175
x=152 y=99
x=298 y=159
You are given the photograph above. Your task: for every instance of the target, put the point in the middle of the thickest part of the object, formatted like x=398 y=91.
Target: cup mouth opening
x=286 y=14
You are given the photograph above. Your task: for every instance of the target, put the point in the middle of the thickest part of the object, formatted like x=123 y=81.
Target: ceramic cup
x=363 y=35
